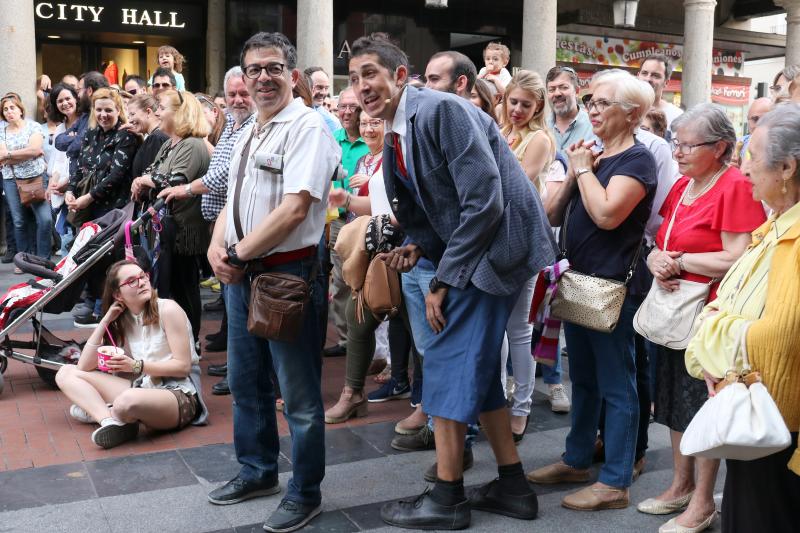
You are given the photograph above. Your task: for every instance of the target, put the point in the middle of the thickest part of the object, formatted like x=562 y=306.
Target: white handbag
x=741 y=422
x=669 y=318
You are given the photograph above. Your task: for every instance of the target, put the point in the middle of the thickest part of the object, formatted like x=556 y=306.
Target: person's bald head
x=759 y=108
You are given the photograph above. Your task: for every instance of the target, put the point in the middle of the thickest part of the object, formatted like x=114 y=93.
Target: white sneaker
x=78 y=413
x=559 y=401
x=112 y=433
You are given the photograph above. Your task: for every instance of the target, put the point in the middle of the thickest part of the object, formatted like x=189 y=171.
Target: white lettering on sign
x=344 y=50
x=146 y=18
x=92 y=13
x=728 y=91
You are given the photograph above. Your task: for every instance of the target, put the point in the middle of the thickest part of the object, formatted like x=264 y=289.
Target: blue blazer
x=468 y=204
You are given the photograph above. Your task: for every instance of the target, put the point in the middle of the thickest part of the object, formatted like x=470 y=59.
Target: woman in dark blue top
x=606 y=198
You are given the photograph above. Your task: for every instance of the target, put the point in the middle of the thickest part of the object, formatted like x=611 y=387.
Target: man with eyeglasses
x=353 y=149
x=135 y=84
x=273 y=220
x=320 y=86
x=163 y=80
x=656 y=70
x=568 y=122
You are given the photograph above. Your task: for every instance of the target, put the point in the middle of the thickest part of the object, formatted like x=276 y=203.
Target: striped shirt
x=216 y=178
x=298 y=141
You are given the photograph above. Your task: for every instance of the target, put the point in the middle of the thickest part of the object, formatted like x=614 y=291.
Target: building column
x=539 y=21
x=17 y=33
x=315 y=34
x=215 y=46
x=698 y=46
x=792 y=8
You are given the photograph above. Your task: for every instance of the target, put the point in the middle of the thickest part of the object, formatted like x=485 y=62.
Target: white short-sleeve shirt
x=309 y=155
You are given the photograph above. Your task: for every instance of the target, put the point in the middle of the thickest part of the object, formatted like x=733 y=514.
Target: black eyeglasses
x=134 y=91
x=273 y=70
x=161 y=85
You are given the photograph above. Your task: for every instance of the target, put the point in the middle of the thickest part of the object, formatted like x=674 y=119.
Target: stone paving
x=55 y=479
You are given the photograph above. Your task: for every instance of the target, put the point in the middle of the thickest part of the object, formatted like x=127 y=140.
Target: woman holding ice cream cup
x=138 y=366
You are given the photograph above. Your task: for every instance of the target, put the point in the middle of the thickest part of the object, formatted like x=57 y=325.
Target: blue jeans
x=298 y=366
x=416 y=285
x=603 y=367
x=35 y=215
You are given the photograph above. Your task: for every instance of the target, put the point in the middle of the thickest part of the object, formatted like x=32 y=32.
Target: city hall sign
x=119 y=16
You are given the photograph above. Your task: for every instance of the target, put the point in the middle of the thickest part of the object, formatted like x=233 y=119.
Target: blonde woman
x=180 y=161
x=525 y=131
x=524 y=126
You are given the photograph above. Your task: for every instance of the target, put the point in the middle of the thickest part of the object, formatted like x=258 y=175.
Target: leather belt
x=281 y=258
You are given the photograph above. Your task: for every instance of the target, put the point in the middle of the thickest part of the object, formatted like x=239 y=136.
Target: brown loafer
x=558 y=473
x=596 y=498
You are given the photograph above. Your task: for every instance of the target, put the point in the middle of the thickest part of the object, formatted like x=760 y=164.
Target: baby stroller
x=56 y=289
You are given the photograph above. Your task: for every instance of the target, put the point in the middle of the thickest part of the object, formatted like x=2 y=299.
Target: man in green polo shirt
x=353 y=149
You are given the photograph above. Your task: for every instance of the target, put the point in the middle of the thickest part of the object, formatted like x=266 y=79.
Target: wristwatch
x=233 y=258
x=581 y=171
x=137 y=366
x=188 y=190
x=435 y=284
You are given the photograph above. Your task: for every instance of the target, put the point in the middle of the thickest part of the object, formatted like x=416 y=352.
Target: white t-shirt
x=671 y=111
x=309 y=155
x=378 y=201
x=504 y=75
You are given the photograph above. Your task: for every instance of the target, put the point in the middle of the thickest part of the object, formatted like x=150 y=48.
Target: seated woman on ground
x=156 y=381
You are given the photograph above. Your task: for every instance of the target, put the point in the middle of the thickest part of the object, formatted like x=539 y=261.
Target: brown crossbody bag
x=278 y=300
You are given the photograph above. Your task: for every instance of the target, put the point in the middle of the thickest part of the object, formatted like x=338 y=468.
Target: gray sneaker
x=291 y=516
x=421 y=440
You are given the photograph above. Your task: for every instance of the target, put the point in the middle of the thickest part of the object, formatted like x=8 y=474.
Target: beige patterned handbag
x=589 y=301
x=669 y=318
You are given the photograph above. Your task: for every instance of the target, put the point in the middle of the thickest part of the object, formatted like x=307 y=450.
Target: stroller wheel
x=48 y=376
x=3 y=363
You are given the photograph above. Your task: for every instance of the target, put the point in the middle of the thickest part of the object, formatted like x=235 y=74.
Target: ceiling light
x=54 y=37
x=138 y=42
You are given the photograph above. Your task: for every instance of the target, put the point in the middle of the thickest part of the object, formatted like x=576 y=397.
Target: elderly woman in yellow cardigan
x=760 y=298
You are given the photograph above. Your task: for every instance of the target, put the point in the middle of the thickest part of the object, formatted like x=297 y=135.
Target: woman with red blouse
x=714 y=214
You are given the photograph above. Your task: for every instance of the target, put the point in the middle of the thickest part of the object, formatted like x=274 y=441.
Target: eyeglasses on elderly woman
x=601 y=104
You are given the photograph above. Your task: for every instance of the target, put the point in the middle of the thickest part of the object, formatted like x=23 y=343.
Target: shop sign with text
x=614 y=52
x=120 y=16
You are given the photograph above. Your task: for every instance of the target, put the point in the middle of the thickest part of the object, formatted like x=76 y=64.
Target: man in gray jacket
x=466 y=205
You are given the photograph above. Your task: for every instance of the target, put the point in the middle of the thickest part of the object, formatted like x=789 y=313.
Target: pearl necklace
x=692 y=197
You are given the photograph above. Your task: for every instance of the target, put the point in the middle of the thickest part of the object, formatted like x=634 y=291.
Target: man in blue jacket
x=465 y=204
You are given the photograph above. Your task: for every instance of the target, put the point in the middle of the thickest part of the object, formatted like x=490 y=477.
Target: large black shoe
x=491 y=499
x=466 y=464
x=424 y=513
x=212 y=336
x=221 y=388
x=8 y=257
x=218 y=370
x=238 y=490
x=215 y=306
x=421 y=440
x=337 y=350
x=219 y=344
x=291 y=516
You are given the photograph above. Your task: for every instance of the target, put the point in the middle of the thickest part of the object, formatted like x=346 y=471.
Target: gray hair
x=633 y=94
x=232 y=72
x=782 y=125
x=790 y=72
x=711 y=123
